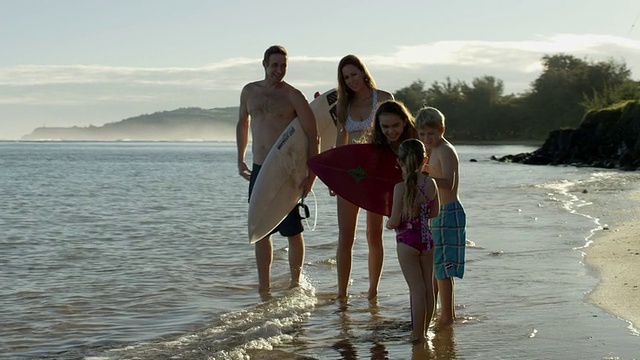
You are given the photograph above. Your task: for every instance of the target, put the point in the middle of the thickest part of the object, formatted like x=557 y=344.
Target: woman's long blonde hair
x=411 y=154
x=345 y=94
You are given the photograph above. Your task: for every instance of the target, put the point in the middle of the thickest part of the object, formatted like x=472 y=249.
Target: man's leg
x=296 y=258
x=264 y=258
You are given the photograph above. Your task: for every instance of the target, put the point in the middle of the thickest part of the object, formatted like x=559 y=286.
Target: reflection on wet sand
x=382 y=333
x=444 y=344
x=345 y=345
x=441 y=346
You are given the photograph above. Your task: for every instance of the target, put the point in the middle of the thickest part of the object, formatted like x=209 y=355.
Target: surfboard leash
x=303 y=207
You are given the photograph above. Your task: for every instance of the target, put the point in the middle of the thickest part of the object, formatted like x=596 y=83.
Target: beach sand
x=615 y=251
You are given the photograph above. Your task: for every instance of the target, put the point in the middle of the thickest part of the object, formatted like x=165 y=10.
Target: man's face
x=276 y=68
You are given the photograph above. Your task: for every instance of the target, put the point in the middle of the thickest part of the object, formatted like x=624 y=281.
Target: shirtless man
x=268 y=106
x=449 y=227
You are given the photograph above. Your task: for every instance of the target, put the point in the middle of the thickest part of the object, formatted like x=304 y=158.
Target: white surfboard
x=276 y=190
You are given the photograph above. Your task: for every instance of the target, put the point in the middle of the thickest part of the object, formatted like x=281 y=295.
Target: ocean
x=139 y=250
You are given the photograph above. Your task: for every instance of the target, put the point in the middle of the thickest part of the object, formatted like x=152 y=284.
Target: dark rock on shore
x=607 y=138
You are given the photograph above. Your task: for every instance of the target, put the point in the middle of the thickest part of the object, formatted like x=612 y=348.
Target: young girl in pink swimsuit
x=415 y=201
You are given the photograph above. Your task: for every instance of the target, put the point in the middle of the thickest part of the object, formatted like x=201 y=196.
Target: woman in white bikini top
x=358 y=101
x=352 y=125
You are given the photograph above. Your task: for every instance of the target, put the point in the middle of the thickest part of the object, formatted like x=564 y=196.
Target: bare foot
x=442 y=324
x=265 y=295
x=343 y=303
x=417 y=339
x=372 y=295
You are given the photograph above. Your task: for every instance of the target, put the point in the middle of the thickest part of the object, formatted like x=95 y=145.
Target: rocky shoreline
x=607 y=138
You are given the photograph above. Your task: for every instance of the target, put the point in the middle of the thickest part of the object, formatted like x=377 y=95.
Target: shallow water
x=139 y=251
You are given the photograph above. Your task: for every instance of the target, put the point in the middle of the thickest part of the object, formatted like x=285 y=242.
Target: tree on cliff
x=558 y=93
x=557 y=99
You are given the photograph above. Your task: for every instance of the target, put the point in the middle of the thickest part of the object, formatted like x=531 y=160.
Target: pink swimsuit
x=416 y=232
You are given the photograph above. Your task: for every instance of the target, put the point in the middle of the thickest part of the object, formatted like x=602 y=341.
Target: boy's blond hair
x=430 y=117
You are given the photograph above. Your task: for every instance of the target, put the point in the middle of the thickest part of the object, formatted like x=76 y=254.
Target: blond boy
x=449 y=227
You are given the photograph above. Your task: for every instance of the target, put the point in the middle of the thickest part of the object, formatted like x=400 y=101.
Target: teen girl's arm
x=396 y=209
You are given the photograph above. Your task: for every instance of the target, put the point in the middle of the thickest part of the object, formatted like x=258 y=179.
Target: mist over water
x=220 y=132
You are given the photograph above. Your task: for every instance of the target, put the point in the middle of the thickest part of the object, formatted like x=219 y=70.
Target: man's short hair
x=275 y=49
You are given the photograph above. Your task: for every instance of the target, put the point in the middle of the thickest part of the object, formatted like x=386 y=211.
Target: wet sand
x=615 y=251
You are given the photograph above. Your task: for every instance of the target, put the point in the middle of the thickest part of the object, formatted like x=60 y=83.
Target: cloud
x=39 y=75
x=514 y=62
x=497 y=54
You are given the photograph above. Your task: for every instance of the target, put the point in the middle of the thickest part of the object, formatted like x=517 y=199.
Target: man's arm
x=242 y=134
x=307 y=120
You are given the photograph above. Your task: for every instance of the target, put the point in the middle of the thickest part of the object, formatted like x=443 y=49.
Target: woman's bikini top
x=355 y=125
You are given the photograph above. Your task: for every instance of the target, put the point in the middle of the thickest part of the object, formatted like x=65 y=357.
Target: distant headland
x=176 y=125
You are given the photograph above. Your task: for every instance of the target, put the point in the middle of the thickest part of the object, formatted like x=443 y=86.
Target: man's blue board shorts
x=292 y=224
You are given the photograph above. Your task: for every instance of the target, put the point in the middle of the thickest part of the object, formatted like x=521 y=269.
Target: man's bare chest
x=270 y=106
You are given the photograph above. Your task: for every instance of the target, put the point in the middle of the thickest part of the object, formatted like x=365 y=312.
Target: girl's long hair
x=397 y=108
x=411 y=154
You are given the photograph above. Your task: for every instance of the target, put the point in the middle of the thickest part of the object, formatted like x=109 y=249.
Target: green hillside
x=179 y=124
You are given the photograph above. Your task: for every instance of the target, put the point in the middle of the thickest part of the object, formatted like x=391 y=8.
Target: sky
x=90 y=62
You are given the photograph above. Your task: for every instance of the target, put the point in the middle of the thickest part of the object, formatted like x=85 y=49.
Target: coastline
x=614 y=252
x=534 y=143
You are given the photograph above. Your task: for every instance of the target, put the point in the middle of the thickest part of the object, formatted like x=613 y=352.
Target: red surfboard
x=363 y=174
